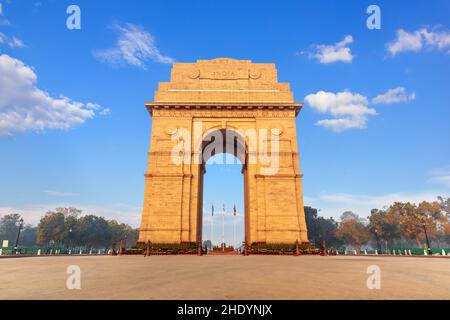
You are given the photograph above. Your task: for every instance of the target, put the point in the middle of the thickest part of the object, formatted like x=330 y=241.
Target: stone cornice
x=263 y=105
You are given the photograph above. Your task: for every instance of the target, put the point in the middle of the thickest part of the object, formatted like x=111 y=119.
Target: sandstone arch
x=223 y=95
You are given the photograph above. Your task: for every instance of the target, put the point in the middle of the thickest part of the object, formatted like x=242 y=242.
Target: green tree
x=122 y=231
x=444 y=203
x=320 y=228
x=50 y=228
x=9 y=227
x=55 y=225
x=352 y=230
x=28 y=236
x=349 y=215
x=414 y=218
x=383 y=227
x=94 y=231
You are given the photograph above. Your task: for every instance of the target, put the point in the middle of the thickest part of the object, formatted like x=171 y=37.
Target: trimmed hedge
x=165 y=248
x=282 y=248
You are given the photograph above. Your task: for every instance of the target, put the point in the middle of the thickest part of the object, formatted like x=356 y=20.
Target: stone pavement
x=225 y=277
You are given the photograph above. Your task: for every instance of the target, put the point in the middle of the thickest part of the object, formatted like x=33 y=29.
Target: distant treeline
x=67 y=227
x=399 y=224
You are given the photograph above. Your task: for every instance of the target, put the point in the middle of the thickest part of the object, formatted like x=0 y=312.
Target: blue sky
x=378 y=133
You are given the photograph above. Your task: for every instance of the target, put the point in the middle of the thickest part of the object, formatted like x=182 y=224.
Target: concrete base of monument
x=226 y=277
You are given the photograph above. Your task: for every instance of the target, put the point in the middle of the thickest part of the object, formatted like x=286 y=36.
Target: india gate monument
x=223 y=106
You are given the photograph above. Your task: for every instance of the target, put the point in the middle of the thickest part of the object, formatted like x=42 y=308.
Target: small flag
x=234 y=210
x=212 y=210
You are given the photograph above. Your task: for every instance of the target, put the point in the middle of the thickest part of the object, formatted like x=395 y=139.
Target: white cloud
x=440 y=176
x=342 y=124
x=11 y=42
x=333 y=53
x=25 y=107
x=32 y=213
x=16 y=43
x=105 y=112
x=417 y=40
x=334 y=204
x=134 y=46
x=443 y=179
x=93 y=106
x=351 y=110
x=338 y=104
x=59 y=193
x=3 y=20
x=101 y=111
x=396 y=95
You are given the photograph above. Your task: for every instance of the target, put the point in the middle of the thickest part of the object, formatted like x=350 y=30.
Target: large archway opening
x=223 y=203
x=222 y=192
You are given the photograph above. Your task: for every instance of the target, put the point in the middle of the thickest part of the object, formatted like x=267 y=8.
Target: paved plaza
x=225 y=277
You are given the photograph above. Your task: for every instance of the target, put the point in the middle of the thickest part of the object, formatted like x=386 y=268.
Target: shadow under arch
x=216 y=141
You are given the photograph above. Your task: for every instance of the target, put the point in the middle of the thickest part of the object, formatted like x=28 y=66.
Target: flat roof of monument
x=224 y=83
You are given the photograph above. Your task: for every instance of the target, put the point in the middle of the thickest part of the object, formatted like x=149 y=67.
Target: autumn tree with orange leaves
x=400 y=222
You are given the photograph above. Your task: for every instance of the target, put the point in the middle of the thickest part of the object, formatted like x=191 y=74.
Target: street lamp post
x=70 y=240
x=18 y=235
x=426 y=237
x=315 y=229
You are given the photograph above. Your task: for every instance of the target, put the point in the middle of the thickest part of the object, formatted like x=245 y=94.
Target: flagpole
x=223 y=229
x=212 y=230
x=234 y=232
x=234 y=226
